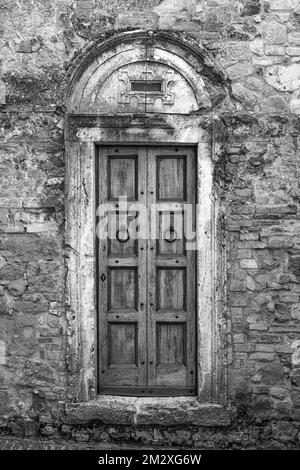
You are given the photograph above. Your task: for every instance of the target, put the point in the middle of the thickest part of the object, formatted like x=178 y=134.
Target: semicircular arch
x=139 y=72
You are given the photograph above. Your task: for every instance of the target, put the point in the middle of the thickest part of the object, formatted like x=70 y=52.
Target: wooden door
x=147 y=286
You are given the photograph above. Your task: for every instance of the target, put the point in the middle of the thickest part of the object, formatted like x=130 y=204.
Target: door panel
x=171 y=178
x=123 y=342
x=171 y=273
x=122 y=287
x=171 y=354
x=122 y=273
x=146 y=295
x=122 y=246
x=170 y=288
x=122 y=177
x=170 y=242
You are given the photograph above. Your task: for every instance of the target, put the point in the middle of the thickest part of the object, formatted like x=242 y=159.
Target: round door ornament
x=170 y=235
x=122 y=235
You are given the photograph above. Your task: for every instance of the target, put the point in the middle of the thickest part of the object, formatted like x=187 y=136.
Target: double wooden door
x=146 y=274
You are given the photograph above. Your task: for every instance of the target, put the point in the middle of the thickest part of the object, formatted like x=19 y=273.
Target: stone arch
x=100 y=78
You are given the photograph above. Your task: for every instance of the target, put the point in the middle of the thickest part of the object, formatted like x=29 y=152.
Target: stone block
x=84 y=7
x=283 y=78
x=2 y=92
x=265 y=61
x=239 y=338
x=280 y=242
x=244 y=254
x=31 y=307
x=295 y=312
x=239 y=70
x=108 y=410
x=257 y=46
x=238 y=299
x=282 y=312
x=16 y=288
x=283 y=349
x=258 y=326
x=283 y=4
x=260 y=356
x=283 y=431
x=289 y=297
x=2 y=354
x=294 y=38
x=250 y=284
x=4 y=402
x=274 y=50
x=265 y=348
x=233 y=52
x=295 y=103
x=4 y=306
x=195 y=413
x=25 y=46
x=275 y=33
x=248 y=263
x=35 y=373
x=251 y=8
x=238 y=286
x=11 y=271
x=137 y=19
x=293 y=51
x=246 y=97
x=249 y=236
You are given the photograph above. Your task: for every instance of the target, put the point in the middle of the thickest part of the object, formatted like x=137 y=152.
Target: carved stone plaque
x=165 y=78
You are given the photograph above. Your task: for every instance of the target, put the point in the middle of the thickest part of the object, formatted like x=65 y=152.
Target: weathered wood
x=122 y=288
x=142 y=273
x=151 y=271
x=122 y=177
x=147 y=309
x=171 y=272
x=171 y=178
x=191 y=305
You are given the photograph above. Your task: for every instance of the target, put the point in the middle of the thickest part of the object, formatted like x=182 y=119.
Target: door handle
x=103 y=277
x=170 y=235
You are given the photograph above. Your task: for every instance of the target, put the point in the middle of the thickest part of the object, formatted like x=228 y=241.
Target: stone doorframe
x=84 y=132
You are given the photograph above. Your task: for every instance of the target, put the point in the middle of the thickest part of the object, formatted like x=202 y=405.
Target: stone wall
x=257 y=45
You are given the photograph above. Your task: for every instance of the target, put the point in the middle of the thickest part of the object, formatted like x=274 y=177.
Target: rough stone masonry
x=256 y=44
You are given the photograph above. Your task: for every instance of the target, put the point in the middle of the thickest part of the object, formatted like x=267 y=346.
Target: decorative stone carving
x=104 y=86
x=115 y=93
x=165 y=77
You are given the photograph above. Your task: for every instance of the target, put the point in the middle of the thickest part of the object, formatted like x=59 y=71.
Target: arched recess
x=107 y=105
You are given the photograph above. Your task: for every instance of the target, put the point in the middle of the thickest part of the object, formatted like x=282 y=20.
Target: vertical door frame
x=82 y=136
